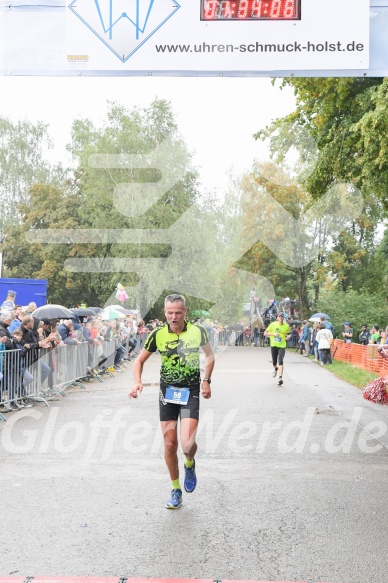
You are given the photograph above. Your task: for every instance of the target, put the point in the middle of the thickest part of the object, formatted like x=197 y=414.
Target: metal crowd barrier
x=11 y=376
x=293 y=342
x=141 y=338
x=23 y=377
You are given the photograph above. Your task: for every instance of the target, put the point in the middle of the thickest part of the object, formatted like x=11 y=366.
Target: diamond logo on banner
x=124 y=25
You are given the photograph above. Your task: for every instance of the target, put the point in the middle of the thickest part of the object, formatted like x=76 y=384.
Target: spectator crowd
x=31 y=347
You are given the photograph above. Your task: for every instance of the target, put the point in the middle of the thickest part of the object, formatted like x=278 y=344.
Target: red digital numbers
x=289 y=8
x=225 y=9
x=243 y=9
x=275 y=9
x=210 y=9
x=250 y=9
x=256 y=9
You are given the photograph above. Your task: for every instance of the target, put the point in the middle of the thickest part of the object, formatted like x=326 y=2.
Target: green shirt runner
x=281 y=331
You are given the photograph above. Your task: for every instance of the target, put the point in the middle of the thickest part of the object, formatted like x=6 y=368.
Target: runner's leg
x=170 y=438
x=189 y=447
x=187 y=434
x=169 y=429
x=274 y=354
x=281 y=354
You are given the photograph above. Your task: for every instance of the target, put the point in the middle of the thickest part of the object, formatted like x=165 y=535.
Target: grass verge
x=351 y=374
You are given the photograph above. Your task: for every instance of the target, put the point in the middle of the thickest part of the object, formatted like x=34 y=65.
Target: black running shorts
x=277 y=355
x=171 y=412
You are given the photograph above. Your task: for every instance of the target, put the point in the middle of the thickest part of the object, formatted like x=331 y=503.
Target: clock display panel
x=250 y=9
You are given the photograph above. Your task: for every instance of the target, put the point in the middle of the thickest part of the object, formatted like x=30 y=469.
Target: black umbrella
x=52 y=312
x=83 y=312
x=95 y=310
x=294 y=322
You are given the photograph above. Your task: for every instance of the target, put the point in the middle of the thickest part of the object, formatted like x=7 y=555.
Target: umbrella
x=52 y=312
x=294 y=322
x=119 y=309
x=319 y=315
x=95 y=310
x=109 y=314
x=83 y=312
x=201 y=313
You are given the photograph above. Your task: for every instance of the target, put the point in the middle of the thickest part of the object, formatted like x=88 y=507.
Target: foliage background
x=347 y=118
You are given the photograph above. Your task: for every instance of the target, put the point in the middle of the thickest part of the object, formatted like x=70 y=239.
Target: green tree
x=286 y=232
x=346 y=121
x=338 y=114
x=93 y=231
x=105 y=202
x=22 y=164
x=47 y=207
x=354 y=306
x=99 y=243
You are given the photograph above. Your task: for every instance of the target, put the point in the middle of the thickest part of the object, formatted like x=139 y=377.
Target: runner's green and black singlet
x=179 y=352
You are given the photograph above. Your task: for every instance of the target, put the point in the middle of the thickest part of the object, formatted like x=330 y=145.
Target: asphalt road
x=292 y=485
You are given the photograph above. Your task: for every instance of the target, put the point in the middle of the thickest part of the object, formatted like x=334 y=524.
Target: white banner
x=169 y=35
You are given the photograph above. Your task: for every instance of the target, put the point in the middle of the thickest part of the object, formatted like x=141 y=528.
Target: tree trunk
x=302 y=291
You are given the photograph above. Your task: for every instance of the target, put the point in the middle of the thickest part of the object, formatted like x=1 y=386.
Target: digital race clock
x=250 y=9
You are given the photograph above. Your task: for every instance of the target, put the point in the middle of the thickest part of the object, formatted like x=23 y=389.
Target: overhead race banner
x=217 y=35
x=231 y=37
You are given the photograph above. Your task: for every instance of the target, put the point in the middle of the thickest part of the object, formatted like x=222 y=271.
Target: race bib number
x=177 y=395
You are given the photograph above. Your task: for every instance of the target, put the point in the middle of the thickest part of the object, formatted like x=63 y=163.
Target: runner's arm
x=209 y=365
x=137 y=372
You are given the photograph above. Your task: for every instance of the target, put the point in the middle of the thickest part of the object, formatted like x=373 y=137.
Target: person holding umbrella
x=33 y=344
x=327 y=324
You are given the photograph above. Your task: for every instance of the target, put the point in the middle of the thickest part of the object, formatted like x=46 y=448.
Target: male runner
x=278 y=333
x=178 y=342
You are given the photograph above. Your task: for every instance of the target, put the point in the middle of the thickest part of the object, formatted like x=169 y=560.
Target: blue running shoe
x=175 y=500
x=190 y=478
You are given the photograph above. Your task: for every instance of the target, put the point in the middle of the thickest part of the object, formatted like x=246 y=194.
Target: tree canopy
x=339 y=133
x=347 y=117
x=131 y=213
x=130 y=209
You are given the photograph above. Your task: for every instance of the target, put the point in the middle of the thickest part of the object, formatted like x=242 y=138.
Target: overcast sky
x=216 y=116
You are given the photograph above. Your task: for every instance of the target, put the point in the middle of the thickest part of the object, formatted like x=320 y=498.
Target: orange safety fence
x=365 y=357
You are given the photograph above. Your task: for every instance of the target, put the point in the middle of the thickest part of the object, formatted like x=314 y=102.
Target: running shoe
x=280 y=381
x=175 y=500
x=190 y=478
x=275 y=372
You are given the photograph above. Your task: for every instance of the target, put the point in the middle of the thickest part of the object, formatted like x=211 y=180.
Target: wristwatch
x=208 y=380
